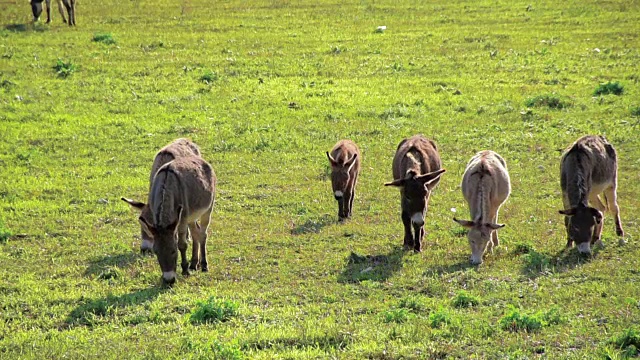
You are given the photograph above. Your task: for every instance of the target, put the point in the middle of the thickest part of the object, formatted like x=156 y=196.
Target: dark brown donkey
x=416 y=169
x=177 y=149
x=589 y=167
x=345 y=166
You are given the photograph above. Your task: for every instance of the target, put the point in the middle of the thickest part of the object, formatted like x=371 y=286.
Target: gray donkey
x=177 y=149
x=588 y=168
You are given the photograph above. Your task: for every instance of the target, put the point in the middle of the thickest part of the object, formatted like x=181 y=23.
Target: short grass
x=265 y=88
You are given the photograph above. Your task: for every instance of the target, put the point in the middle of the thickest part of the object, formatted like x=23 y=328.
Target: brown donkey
x=345 y=167
x=178 y=148
x=181 y=198
x=70 y=5
x=588 y=168
x=416 y=169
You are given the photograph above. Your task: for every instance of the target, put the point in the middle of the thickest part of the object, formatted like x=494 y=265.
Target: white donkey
x=486 y=186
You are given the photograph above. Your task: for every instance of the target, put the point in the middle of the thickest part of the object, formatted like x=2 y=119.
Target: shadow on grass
x=372 y=267
x=462 y=265
x=92 y=311
x=536 y=264
x=107 y=267
x=37 y=27
x=313 y=226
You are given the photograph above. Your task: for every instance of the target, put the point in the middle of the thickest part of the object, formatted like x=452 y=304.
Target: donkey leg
x=195 y=250
x=612 y=201
x=48 y=3
x=182 y=246
x=596 y=238
x=352 y=195
x=205 y=220
x=73 y=11
x=61 y=9
x=408 y=237
x=417 y=242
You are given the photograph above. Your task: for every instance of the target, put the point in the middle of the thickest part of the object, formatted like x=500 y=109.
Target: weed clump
x=463 y=299
x=523 y=248
x=550 y=101
x=635 y=111
x=628 y=341
x=209 y=77
x=213 y=310
x=440 y=317
x=516 y=321
x=212 y=350
x=609 y=88
x=536 y=262
x=5 y=233
x=396 y=315
x=105 y=38
x=64 y=69
x=412 y=304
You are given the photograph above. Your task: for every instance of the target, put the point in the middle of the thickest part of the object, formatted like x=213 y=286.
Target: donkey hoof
x=622 y=242
x=204 y=268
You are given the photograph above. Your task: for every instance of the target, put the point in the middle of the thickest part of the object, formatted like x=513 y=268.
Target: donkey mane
x=577 y=183
x=164 y=193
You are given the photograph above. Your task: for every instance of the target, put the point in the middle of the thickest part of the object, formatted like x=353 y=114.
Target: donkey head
x=341 y=175
x=145 y=211
x=479 y=236
x=580 y=223
x=165 y=245
x=416 y=190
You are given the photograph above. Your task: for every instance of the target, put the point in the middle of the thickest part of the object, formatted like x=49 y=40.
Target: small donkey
x=345 y=167
x=182 y=193
x=416 y=170
x=589 y=167
x=486 y=186
x=177 y=149
x=70 y=5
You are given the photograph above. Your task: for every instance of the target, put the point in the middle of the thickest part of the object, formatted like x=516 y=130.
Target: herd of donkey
x=182 y=191
x=182 y=194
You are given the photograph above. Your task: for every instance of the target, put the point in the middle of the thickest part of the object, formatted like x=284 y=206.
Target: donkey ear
x=399 y=182
x=465 y=223
x=493 y=226
x=569 y=212
x=351 y=162
x=430 y=179
x=135 y=205
x=596 y=214
x=331 y=160
x=148 y=228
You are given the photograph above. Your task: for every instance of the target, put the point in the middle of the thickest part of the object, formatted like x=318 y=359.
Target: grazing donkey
x=70 y=5
x=589 y=167
x=416 y=170
x=345 y=166
x=178 y=148
x=182 y=193
x=486 y=186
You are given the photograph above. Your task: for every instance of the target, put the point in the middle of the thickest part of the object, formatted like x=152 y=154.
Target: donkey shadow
x=103 y=266
x=461 y=265
x=37 y=27
x=538 y=264
x=372 y=267
x=313 y=226
x=91 y=311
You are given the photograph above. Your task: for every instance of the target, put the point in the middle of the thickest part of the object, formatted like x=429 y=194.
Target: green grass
x=550 y=101
x=609 y=88
x=105 y=38
x=283 y=81
x=463 y=299
x=5 y=233
x=64 y=69
x=213 y=310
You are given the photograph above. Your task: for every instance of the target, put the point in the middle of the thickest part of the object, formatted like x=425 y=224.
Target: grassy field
x=265 y=88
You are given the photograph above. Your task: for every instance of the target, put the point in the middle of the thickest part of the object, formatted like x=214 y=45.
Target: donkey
x=485 y=186
x=70 y=5
x=588 y=168
x=345 y=167
x=416 y=170
x=178 y=148
x=182 y=193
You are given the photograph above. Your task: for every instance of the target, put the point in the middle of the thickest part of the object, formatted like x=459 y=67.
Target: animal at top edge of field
x=486 y=186
x=345 y=166
x=70 y=5
x=416 y=171
x=589 y=167
x=178 y=148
